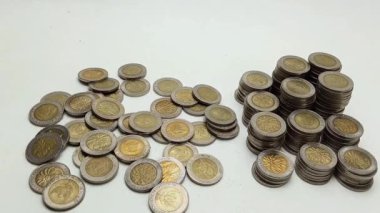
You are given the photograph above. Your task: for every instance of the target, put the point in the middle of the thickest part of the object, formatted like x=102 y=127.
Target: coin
x=173 y=171
x=98 y=142
x=78 y=156
x=118 y=95
x=143 y=175
x=183 y=96
x=202 y=136
x=196 y=110
x=57 y=96
x=123 y=124
x=77 y=129
x=135 y=88
x=99 y=170
x=145 y=122
x=182 y=152
x=131 y=148
x=159 y=138
x=168 y=198
x=46 y=113
x=252 y=81
x=165 y=86
x=204 y=169
x=95 y=122
x=259 y=102
x=79 y=104
x=107 y=108
x=92 y=74
x=132 y=71
x=64 y=192
x=177 y=130
x=220 y=115
x=166 y=108
x=322 y=62
x=44 y=174
x=59 y=130
x=206 y=94
x=107 y=85
x=44 y=148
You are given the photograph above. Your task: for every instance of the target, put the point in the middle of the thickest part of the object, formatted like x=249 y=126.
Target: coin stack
x=342 y=130
x=334 y=92
x=265 y=131
x=322 y=62
x=296 y=93
x=288 y=66
x=356 y=168
x=135 y=84
x=303 y=126
x=252 y=81
x=315 y=163
x=221 y=121
x=255 y=102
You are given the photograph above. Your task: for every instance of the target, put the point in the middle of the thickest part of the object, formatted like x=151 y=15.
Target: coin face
x=177 y=130
x=92 y=74
x=293 y=64
x=64 y=192
x=107 y=85
x=79 y=104
x=118 y=95
x=181 y=152
x=77 y=129
x=44 y=174
x=166 y=108
x=307 y=121
x=159 y=138
x=98 y=142
x=298 y=87
x=206 y=94
x=268 y=123
x=98 y=170
x=78 y=156
x=168 y=198
x=173 y=171
x=44 y=148
x=263 y=101
x=345 y=125
x=95 y=122
x=336 y=81
x=135 y=88
x=204 y=169
x=165 y=86
x=131 y=148
x=183 y=96
x=257 y=80
x=318 y=156
x=275 y=163
x=132 y=71
x=46 y=113
x=202 y=136
x=143 y=175
x=357 y=160
x=57 y=96
x=145 y=122
x=123 y=124
x=325 y=61
x=59 y=130
x=219 y=114
x=108 y=108
x=196 y=110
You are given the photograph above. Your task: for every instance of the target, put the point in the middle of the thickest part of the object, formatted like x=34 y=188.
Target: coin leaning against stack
x=252 y=81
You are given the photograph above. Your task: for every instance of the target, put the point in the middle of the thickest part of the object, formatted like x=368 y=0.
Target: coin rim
x=260 y=165
x=142 y=74
x=312 y=165
x=250 y=103
x=291 y=120
x=362 y=172
x=75 y=142
x=216 y=121
x=267 y=86
x=147 y=131
x=348 y=88
x=45 y=97
x=110 y=89
x=38 y=161
x=211 y=139
x=121 y=126
x=107 y=117
x=178 y=101
x=57 y=118
x=135 y=94
x=182 y=173
x=331 y=126
x=129 y=159
x=181 y=139
x=157 y=90
x=165 y=116
x=65 y=132
x=201 y=99
x=88 y=151
x=312 y=61
x=168 y=147
x=148 y=187
x=153 y=194
x=78 y=113
x=199 y=181
x=297 y=95
x=87 y=119
x=103 y=179
x=257 y=130
x=75 y=157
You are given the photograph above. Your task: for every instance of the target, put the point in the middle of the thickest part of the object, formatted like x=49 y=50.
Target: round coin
x=196 y=110
x=98 y=170
x=95 y=122
x=143 y=175
x=108 y=108
x=293 y=64
x=98 y=142
x=318 y=156
x=206 y=94
x=159 y=138
x=123 y=124
x=59 y=130
x=77 y=129
x=46 y=113
x=182 y=152
x=135 y=88
x=44 y=148
x=57 y=96
x=257 y=80
x=165 y=86
x=79 y=104
x=132 y=71
x=177 y=130
x=183 y=96
x=168 y=198
x=357 y=160
x=166 y=108
x=173 y=171
x=220 y=115
x=202 y=136
x=118 y=95
x=78 y=156
x=92 y=74
x=204 y=169
x=145 y=122
x=107 y=85
x=131 y=148
x=275 y=164
x=324 y=61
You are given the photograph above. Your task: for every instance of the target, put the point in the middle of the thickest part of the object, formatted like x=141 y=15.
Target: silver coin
x=78 y=156
x=68 y=185
x=118 y=95
x=206 y=94
x=143 y=175
x=107 y=85
x=202 y=136
x=196 y=110
x=173 y=171
x=177 y=130
x=57 y=96
x=145 y=122
x=98 y=142
x=59 y=130
x=131 y=148
x=166 y=108
x=92 y=74
x=123 y=124
x=183 y=96
x=108 y=108
x=77 y=129
x=44 y=174
x=44 y=148
x=132 y=71
x=175 y=196
x=135 y=88
x=46 y=113
x=159 y=138
x=220 y=115
x=204 y=169
x=182 y=152
x=79 y=104
x=94 y=122
x=99 y=170
x=165 y=86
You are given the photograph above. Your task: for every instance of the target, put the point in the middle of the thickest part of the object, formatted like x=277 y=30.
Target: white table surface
x=43 y=45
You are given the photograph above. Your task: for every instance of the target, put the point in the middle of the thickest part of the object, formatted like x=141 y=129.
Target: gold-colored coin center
x=221 y=114
x=99 y=167
x=170 y=171
x=46 y=112
x=44 y=147
x=257 y=79
x=93 y=74
x=132 y=147
x=207 y=93
x=168 y=199
x=77 y=130
x=167 y=86
x=44 y=176
x=99 y=142
x=135 y=86
x=294 y=64
x=63 y=191
x=143 y=174
x=108 y=108
x=100 y=123
x=307 y=120
x=335 y=81
x=201 y=132
x=166 y=107
x=182 y=153
x=81 y=102
x=205 y=169
x=357 y=159
x=263 y=100
x=276 y=164
x=104 y=84
x=298 y=87
x=185 y=95
x=268 y=123
x=325 y=60
x=145 y=121
x=132 y=70
x=318 y=156
x=345 y=125
x=177 y=129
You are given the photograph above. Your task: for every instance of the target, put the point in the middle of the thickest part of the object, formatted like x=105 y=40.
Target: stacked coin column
x=259 y=102
x=252 y=81
x=322 y=62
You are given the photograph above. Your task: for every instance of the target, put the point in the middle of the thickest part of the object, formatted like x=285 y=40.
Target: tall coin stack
x=342 y=130
x=265 y=131
x=296 y=93
x=252 y=81
x=333 y=93
x=322 y=62
x=259 y=102
x=303 y=126
x=288 y=66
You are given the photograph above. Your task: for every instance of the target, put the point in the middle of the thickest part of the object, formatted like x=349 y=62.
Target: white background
x=43 y=45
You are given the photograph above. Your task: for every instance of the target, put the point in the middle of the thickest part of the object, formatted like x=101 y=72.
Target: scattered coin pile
x=252 y=81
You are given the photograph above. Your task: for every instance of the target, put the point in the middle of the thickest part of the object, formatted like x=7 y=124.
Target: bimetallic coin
x=145 y=122
x=168 y=198
x=357 y=160
x=64 y=192
x=204 y=169
x=182 y=152
x=274 y=164
x=44 y=148
x=95 y=122
x=336 y=81
x=77 y=129
x=256 y=80
x=123 y=124
x=135 y=88
x=177 y=130
x=220 y=115
x=183 y=96
x=132 y=71
x=173 y=171
x=98 y=142
x=131 y=148
x=118 y=95
x=293 y=64
x=78 y=156
x=165 y=108
x=79 y=104
x=196 y=110
x=58 y=96
x=165 y=86
x=206 y=94
x=46 y=113
x=268 y=124
x=92 y=74
x=99 y=170
x=107 y=85
x=202 y=136
x=108 y=108
x=262 y=101
x=324 y=61
x=44 y=174
x=298 y=87
x=143 y=175
x=307 y=121
x=59 y=130
x=159 y=138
